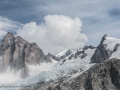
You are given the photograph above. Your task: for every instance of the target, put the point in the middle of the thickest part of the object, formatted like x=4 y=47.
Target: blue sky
x=98 y=17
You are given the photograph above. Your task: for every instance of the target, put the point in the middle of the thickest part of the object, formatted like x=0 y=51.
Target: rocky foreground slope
x=102 y=76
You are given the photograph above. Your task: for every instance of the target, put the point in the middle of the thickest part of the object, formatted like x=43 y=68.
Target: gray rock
x=68 y=52
x=87 y=47
x=116 y=47
x=92 y=47
x=15 y=52
x=101 y=52
x=53 y=57
x=80 y=53
x=84 y=55
x=102 y=76
x=71 y=56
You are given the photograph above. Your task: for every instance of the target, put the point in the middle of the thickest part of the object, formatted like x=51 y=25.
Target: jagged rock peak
x=86 y=47
x=53 y=57
x=101 y=52
x=16 y=52
x=49 y=54
x=8 y=36
x=10 y=33
x=64 y=53
x=103 y=38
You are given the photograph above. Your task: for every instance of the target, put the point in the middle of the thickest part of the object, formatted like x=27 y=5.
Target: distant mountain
x=53 y=57
x=15 y=52
x=101 y=66
x=106 y=49
x=64 y=54
x=87 y=68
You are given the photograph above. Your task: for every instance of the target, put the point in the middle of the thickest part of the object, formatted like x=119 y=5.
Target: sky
x=56 y=25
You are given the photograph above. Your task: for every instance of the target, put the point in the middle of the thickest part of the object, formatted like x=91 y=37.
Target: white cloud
x=7 y=25
x=57 y=33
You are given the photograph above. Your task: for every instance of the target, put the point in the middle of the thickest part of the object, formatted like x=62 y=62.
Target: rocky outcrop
x=101 y=52
x=15 y=52
x=78 y=53
x=102 y=76
x=64 y=54
x=88 y=47
x=116 y=47
x=84 y=55
x=53 y=57
x=71 y=56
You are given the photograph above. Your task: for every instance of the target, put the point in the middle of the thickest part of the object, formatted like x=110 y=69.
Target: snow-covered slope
x=116 y=54
x=64 y=53
x=71 y=65
x=106 y=49
x=56 y=70
x=113 y=44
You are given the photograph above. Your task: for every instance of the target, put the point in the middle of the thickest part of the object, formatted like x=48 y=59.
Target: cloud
x=7 y=25
x=98 y=18
x=114 y=12
x=56 y=33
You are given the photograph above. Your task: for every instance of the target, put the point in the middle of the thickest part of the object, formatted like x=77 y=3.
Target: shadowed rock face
x=103 y=76
x=101 y=53
x=15 y=52
x=53 y=57
x=87 y=47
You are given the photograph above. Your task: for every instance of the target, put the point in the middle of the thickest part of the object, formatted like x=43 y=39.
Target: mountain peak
x=105 y=49
x=103 y=38
x=64 y=53
x=16 y=52
x=9 y=33
x=8 y=39
x=105 y=35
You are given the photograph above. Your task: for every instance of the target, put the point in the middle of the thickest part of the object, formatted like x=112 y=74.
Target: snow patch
x=62 y=53
x=111 y=42
x=116 y=54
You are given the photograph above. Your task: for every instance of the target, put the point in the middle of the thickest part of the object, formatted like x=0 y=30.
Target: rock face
x=15 y=52
x=86 y=47
x=102 y=76
x=82 y=53
x=116 y=47
x=53 y=57
x=64 y=54
x=101 y=52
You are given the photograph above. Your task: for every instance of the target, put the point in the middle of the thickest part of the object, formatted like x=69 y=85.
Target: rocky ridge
x=69 y=70
x=102 y=76
x=101 y=53
x=15 y=53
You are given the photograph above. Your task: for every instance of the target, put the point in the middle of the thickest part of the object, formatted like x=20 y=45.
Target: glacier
x=53 y=71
